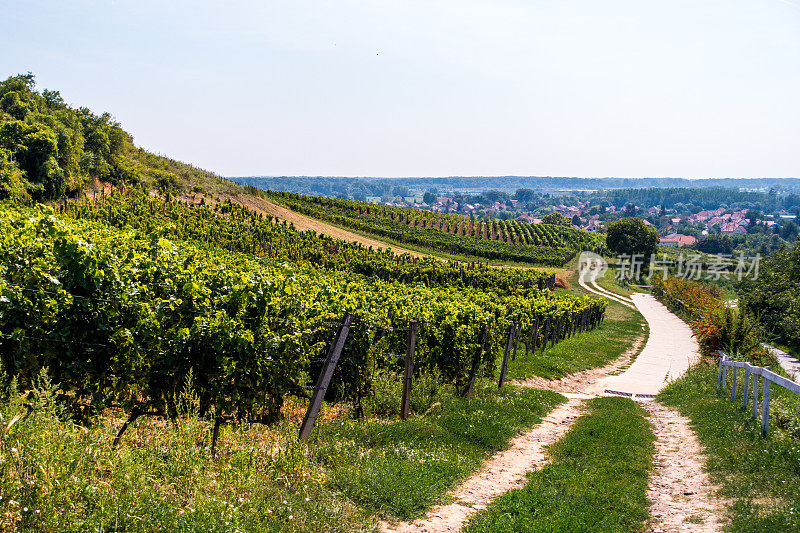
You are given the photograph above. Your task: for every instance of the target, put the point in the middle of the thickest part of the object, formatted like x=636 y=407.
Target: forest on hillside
x=49 y=149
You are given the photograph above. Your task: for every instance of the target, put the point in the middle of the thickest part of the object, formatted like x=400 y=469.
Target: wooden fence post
x=556 y=331
x=504 y=367
x=325 y=377
x=765 y=408
x=719 y=371
x=476 y=363
x=408 y=373
x=733 y=383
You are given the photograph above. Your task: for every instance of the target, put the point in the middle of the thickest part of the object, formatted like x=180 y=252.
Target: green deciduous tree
x=632 y=236
x=557 y=219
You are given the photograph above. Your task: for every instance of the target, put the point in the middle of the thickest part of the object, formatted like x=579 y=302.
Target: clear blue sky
x=692 y=88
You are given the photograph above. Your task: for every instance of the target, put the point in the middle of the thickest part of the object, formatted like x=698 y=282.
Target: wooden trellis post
x=408 y=373
x=504 y=367
x=476 y=363
x=545 y=334
x=533 y=336
x=325 y=376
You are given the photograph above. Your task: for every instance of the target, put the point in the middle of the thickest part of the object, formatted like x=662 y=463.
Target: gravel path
x=680 y=492
x=587 y=279
x=789 y=363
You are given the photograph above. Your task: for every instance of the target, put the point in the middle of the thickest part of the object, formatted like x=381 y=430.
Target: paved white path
x=789 y=363
x=670 y=350
x=587 y=279
x=681 y=495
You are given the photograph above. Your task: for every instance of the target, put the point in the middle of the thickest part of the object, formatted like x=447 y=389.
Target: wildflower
x=291 y=517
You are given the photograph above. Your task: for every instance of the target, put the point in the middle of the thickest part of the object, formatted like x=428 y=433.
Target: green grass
x=597 y=479
x=591 y=349
x=760 y=475
x=57 y=476
x=610 y=283
x=400 y=469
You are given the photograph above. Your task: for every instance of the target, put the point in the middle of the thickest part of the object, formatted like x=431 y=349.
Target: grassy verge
x=56 y=476
x=760 y=475
x=609 y=282
x=400 y=469
x=597 y=480
x=591 y=349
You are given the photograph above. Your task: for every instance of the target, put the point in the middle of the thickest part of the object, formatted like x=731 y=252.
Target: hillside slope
x=49 y=149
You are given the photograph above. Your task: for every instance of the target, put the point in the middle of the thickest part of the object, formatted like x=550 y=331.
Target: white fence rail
x=751 y=374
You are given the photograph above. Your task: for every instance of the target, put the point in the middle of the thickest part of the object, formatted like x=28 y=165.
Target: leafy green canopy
x=774 y=296
x=122 y=320
x=229 y=226
x=632 y=236
x=49 y=149
x=556 y=219
x=513 y=240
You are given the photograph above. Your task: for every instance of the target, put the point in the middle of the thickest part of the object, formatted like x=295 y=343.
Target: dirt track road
x=303 y=222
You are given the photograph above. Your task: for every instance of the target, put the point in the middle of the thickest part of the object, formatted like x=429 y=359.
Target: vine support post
x=533 y=337
x=476 y=363
x=506 y=353
x=545 y=334
x=215 y=436
x=408 y=373
x=135 y=413
x=517 y=330
x=325 y=377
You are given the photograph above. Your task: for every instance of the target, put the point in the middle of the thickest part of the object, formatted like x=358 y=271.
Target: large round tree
x=632 y=236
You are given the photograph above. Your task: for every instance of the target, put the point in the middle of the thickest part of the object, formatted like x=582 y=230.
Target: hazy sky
x=431 y=88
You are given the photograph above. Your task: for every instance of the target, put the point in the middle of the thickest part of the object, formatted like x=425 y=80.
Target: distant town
x=680 y=225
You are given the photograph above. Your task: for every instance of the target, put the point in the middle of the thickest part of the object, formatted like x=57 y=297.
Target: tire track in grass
x=501 y=473
x=680 y=491
x=597 y=479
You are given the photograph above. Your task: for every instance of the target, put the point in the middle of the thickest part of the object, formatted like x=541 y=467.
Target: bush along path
x=587 y=279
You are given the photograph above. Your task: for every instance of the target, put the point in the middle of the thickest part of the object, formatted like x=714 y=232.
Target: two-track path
x=681 y=494
x=680 y=491
x=504 y=471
